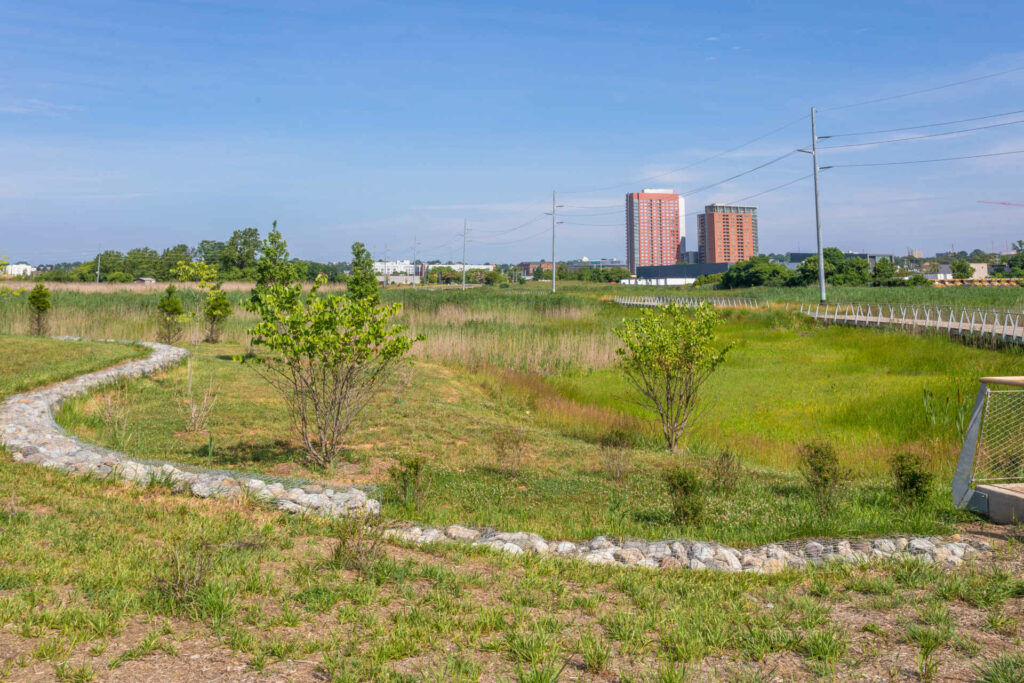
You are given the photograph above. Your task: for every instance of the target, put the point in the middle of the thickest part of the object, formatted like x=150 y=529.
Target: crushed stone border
x=29 y=431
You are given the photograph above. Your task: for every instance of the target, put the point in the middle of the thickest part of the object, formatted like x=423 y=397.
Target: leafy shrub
x=170 y=312
x=909 y=477
x=410 y=480
x=39 y=302
x=822 y=472
x=686 y=494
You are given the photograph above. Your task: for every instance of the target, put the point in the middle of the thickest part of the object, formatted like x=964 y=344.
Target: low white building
x=404 y=267
x=457 y=267
x=20 y=269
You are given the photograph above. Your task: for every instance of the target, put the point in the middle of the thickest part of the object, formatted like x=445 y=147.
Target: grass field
x=103 y=580
x=541 y=367
x=27 y=362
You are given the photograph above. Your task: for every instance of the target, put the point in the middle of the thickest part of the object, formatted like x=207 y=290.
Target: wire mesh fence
x=999 y=455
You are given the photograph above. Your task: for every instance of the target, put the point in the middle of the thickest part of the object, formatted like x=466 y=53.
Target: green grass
x=30 y=362
x=87 y=585
x=785 y=383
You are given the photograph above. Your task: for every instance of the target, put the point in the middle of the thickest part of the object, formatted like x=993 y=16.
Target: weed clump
x=686 y=494
x=909 y=477
x=360 y=536
x=410 y=480
x=615 y=453
x=186 y=574
x=724 y=471
x=509 y=444
x=823 y=474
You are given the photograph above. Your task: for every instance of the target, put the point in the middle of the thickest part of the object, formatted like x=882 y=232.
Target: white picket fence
x=690 y=301
x=1001 y=325
x=1004 y=325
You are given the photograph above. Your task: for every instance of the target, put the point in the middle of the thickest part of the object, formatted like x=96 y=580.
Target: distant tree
x=494 y=277
x=239 y=253
x=169 y=259
x=918 y=280
x=756 y=272
x=119 y=277
x=142 y=262
x=668 y=354
x=980 y=256
x=209 y=251
x=274 y=266
x=39 y=302
x=362 y=281
x=962 y=269
x=170 y=312
x=884 y=274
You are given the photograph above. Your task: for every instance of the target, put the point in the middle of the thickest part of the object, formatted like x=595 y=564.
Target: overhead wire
x=922 y=137
x=924 y=125
x=924 y=90
x=695 y=163
x=926 y=161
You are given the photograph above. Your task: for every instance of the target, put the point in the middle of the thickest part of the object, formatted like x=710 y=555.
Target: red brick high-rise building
x=652 y=228
x=726 y=234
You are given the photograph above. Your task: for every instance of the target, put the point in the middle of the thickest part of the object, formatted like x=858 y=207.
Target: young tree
x=668 y=355
x=362 y=283
x=39 y=302
x=170 y=313
x=327 y=355
x=216 y=310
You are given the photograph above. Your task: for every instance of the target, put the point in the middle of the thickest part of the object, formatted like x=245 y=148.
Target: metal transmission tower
x=817 y=207
x=554 y=222
x=463 y=254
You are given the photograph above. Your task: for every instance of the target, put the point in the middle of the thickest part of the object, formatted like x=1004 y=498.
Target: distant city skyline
x=125 y=124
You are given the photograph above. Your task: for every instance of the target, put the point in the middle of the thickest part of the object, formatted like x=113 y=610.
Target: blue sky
x=153 y=123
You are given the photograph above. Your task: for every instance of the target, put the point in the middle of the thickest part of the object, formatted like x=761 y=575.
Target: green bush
x=909 y=477
x=686 y=494
x=39 y=302
x=170 y=313
x=410 y=481
x=824 y=476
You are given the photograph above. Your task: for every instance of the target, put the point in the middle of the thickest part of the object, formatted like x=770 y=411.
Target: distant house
x=145 y=280
x=528 y=267
x=20 y=269
x=945 y=273
x=980 y=270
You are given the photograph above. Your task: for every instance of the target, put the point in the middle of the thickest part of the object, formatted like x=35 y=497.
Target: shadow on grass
x=266 y=453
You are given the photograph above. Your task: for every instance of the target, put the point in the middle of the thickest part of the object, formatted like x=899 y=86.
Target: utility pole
x=415 y=266
x=554 y=222
x=817 y=206
x=98 y=254
x=463 y=254
x=817 y=210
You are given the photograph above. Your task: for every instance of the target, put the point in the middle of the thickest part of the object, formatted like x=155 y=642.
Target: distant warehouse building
x=681 y=274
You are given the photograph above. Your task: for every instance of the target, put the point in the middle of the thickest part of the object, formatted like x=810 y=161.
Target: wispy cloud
x=34 y=107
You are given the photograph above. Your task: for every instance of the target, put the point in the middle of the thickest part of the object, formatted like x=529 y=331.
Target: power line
x=922 y=137
x=738 y=175
x=926 y=161
x=518 y=227
x=777 y=187
x=924 y=90
x=925 y=125
x=696 y=163
x=545 y=231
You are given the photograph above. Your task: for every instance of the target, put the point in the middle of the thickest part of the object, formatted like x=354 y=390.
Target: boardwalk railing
x=690 y=301
x=1001 y=325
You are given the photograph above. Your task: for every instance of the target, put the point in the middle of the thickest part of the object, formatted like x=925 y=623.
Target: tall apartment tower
x=653 y=228
x=726 y=234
